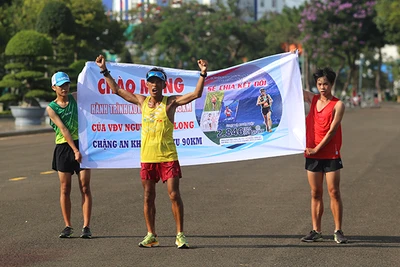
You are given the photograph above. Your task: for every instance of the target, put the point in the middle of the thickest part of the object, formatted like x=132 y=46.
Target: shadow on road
x=354 y=241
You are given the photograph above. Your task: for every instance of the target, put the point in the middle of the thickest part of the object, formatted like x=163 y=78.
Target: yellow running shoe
x=181 y=241
x=149 y=241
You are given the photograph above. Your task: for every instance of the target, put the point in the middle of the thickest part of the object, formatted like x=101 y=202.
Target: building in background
x=254 y=9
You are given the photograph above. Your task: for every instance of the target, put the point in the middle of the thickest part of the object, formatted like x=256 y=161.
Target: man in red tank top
x=322 y=153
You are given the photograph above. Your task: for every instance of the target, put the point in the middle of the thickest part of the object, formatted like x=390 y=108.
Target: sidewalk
x=8 y=128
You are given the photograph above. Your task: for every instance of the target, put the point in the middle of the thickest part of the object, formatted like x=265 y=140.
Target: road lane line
x=47 y=172
x=17 y=178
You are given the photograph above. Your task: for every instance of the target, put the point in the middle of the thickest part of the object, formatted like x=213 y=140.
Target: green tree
x=177 y=37
x=28 y=44
x=24 y=14
x=281 y=30
x=54 y=19
x=95 y=32
x=388 y=19
x=125 y=56
x=336 y=32
x=7 y=30
x=26 y=51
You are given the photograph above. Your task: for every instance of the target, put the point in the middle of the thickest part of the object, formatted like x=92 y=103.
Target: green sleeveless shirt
x=69 y=116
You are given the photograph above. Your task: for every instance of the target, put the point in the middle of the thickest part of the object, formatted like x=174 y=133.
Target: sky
x=108 y=4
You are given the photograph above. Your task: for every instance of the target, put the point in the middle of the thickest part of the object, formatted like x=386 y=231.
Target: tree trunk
x=337 y=75
x=378 y=75
x=347 y=82
x=354 y=77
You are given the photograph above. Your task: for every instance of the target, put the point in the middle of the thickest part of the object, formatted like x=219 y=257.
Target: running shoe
x=313 y=236
x=339 y=237
x=67 y=232
x=181 y=241
x=86 y=232
x=149 y=241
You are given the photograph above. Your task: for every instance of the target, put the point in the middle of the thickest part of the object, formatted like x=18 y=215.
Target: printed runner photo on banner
x=249 y=111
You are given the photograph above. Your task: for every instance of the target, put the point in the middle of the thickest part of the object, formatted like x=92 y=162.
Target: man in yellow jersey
x=63 y=113
x=158 y=156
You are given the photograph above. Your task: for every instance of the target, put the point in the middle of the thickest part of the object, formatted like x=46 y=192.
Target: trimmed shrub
x=55 y=18
x=29 y=43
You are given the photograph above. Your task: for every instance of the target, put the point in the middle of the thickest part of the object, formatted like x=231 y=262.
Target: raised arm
x=308 y=96
x=189 y=97
x=132 y=98
x=65 y=132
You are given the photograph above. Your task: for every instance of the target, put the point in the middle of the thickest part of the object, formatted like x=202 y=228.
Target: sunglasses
x=157 y=74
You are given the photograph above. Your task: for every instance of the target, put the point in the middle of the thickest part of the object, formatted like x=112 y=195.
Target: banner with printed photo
x=226 y=124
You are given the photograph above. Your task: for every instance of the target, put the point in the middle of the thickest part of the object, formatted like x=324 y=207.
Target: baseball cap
x=59 y=78
x=262 y=89
x=155 y=73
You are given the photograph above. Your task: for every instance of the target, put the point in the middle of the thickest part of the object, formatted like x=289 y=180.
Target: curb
x=25 y=132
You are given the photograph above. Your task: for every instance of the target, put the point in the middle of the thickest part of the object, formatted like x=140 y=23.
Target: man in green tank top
x=159 y=159
x=63 y=113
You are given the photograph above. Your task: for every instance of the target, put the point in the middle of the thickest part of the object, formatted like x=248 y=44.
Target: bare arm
x=337 y=119
x=65 y=132
x=258 y=101
x=132 y=98
x=308 y=96
x=189 y=97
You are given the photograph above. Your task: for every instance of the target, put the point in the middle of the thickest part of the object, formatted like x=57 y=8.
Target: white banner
x=224 y=125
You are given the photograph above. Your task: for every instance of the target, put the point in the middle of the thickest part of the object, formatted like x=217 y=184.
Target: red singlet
x=318 y=124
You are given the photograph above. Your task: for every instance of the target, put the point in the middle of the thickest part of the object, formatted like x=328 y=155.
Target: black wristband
x=105 y=72
x=203 y=75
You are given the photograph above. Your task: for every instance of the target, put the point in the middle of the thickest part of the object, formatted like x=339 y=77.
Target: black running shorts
x=64 y=159
x=265 y=111
x=323 y=165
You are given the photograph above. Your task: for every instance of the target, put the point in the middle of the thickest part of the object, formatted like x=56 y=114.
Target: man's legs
x=177 y=210
x=333 y=183
x=149 y=210
x=269 y=121
x=266 y=122
x=84 y=186
x=65 y=200
x=315 y=179
x=149 y=188
x=176 y=202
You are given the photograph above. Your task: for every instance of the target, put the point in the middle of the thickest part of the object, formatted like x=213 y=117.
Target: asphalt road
x=247 y=213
